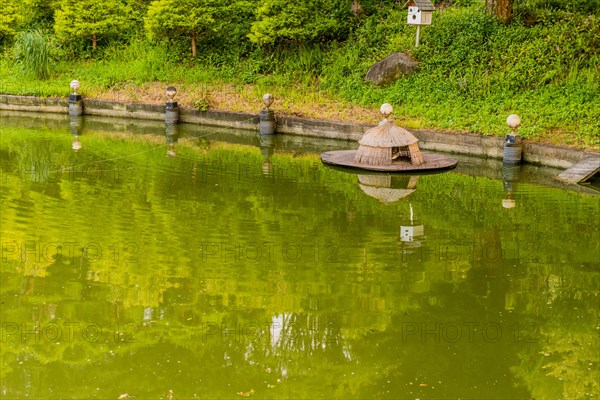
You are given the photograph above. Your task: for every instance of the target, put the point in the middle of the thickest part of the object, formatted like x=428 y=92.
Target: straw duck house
x=388 y=143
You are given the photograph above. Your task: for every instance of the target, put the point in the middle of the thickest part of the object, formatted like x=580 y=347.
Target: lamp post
x=512 y=142
x=267 y=116
x=75 y=102
x=171 y=108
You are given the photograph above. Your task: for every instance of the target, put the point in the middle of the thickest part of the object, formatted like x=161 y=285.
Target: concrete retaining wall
x=483 y=146
x=31 y=103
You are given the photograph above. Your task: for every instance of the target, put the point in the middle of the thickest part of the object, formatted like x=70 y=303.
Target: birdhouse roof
x=387 y=135
x=423 y=5
x=385 y=195
x=380 y=187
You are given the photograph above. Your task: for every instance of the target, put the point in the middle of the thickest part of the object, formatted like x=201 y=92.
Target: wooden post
x=194 y=44
x=418 y=32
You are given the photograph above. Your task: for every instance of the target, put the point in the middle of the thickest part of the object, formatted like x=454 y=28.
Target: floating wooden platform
x=581 y=171
x=432 y=161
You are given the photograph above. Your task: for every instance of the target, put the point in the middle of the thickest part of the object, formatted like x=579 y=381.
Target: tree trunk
x=94 y=41
x=356 y=7
x=502 y=9
x=194 y=44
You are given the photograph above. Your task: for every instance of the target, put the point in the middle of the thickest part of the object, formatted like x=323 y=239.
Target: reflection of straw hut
x=385 y=189
x=386 y=143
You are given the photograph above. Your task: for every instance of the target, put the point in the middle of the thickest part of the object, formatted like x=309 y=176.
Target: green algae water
x=151 y=263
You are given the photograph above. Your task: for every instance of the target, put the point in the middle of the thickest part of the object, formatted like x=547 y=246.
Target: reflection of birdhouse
x=386 y=188
x=408 y=233
x=420 y=12
x=412 y=233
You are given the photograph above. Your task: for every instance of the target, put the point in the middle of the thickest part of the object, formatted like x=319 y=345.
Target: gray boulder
x=391 y=68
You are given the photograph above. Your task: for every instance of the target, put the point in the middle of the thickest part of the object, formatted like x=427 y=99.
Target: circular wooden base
x=432 y=161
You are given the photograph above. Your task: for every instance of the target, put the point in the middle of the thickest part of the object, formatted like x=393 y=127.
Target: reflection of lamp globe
x=509 y=203
x=171 y=151
x=76 y=144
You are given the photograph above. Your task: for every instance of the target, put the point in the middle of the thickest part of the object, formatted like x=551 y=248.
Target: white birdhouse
x=420 y=12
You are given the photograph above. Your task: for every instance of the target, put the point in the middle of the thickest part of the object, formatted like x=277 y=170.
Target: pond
x=208 y=263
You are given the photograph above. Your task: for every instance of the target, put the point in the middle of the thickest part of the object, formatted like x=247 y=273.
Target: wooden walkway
x=582 y=171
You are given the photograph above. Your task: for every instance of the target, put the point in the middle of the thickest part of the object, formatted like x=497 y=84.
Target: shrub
x=300 y=21
x=202 y=104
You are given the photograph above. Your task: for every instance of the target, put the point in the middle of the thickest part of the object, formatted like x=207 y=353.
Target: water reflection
x=266 y=284
x=510 y=177
x=412 y=233
x=171 y=136
x=267 y=148
x=76 y=126
x=387 y=188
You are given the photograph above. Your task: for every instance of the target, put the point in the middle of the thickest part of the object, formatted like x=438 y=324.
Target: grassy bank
x=473 y=73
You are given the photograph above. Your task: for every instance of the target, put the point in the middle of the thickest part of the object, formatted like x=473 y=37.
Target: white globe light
x=171 y=92
x=513 y=121
x=74 y=85
x=268 y=99
x=386 y=109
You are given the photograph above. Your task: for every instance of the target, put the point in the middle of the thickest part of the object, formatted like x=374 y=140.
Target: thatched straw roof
x=378 y=186
x=376 y=180
x=386 y=195
x=387 y=135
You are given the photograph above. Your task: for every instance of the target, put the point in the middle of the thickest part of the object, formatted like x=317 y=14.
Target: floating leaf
x=246 y=394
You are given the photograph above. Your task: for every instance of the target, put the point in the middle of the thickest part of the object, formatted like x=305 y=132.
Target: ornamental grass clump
x=32 y=54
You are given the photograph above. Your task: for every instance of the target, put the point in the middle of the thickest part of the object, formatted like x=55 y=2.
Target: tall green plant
x=32 y=53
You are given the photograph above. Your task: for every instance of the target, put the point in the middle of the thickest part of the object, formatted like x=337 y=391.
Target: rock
x=391 y=68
